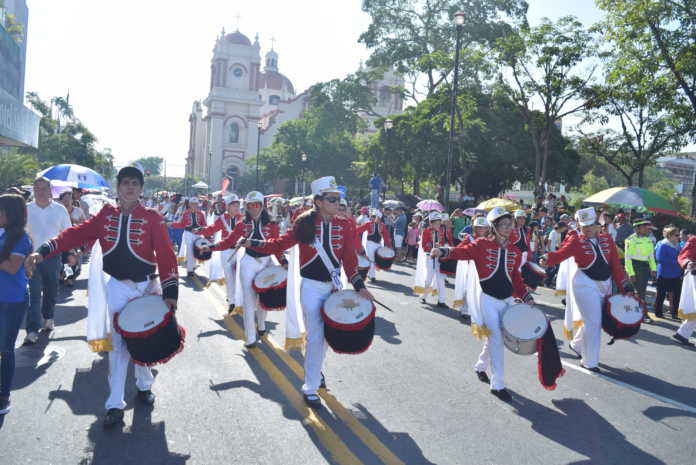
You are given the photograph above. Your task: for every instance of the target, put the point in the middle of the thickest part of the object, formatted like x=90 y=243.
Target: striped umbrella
x=632 y=198
x=79 y=175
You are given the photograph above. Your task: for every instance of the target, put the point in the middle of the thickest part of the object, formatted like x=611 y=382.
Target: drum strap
x=334 y=272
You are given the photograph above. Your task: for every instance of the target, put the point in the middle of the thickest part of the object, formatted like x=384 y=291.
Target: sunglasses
x=254 y=205
x=332 y=199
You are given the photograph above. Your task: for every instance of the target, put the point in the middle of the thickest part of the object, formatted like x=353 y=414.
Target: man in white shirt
x=45 y=220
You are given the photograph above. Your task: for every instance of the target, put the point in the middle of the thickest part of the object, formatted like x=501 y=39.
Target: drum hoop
x=143 y=334
x=182 y=342
x=537 y=269
x=620 y=324
x=546 y=318
x=259 y=290
x=349 y=327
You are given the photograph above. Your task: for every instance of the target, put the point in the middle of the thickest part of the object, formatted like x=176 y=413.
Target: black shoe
x=682 y=340
x=322 y=385
x=465 y=316
x=261 y=332
x=441 y=305
x=563 y=301
x=146 y=397
x=113 y=417
x=577 y=354
x=593 y=369
x=483 y=377
x=675 y=317
x=230 y=309
x=312 y=400
x=4 y=406
x=502 y=394
x=423 y=301
x=250 y=346
x=373 y=280
x=190 y=274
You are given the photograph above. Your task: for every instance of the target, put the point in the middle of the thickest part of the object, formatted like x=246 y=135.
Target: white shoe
x=49 y=324
x=31 y=338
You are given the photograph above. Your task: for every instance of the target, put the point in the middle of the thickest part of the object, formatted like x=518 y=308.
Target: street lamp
x=303 y=158
x=259 y=125
x=459 y=23
x=388 y=124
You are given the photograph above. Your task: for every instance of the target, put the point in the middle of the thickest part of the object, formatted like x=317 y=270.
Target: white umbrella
x=200 y=185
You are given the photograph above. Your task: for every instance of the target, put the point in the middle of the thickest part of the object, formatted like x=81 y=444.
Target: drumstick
x=380 y=303
x=234 y=252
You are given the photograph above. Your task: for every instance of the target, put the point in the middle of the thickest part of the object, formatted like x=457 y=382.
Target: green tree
x=543 y=70
x=16 y=168
x=151 y=165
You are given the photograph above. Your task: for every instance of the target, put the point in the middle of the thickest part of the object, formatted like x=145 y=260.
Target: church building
x=245 y=106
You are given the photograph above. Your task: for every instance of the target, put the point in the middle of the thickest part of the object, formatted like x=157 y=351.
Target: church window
x=238 y=72
x=384 y=96
x=233 y=135
x=274 y=100
x=232 y=172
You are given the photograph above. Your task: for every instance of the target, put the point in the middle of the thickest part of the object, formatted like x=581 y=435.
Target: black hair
x=15 y=210
x=130 y=172
x=265 y=217
x=304 y=224
x=560 y=224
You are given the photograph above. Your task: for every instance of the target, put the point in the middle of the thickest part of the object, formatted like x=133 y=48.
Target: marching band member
x=520 y=235
x=376 y=233
x=597 y=263
x=497 y=262
x=434 y=236
x=326 y=242
x=257 y=225
x=191 y=220
x=687 y=301
x=225 y=224
x=465 y=269
x=134 y=239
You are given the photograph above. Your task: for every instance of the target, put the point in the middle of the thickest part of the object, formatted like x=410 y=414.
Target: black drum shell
x=274 y=298
x=158 y=346
x=383 y=263
x=202 y=256
x=531 y=278
x=350 y=342
x=614 y=328
x=448 y=267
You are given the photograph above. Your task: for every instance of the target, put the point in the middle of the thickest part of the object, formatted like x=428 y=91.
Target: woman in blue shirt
x=15 y=245
x=669 y=273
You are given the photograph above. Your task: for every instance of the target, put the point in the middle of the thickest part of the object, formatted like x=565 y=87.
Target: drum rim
x=505 y=330
x=143 y=334
x=182 y=343
x=348 y=327
x=383 y=257
x=280 y=285
x=618 y=323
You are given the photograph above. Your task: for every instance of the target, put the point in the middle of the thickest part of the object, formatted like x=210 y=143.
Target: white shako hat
x=375 y=212
x=520 y=214
x=229 y=198
x=444 y=216
x=481 y=222
x=586 y=216
x=325 y=185
x=497 y=212
x=254 y=196
x=343 y=202
x=435 y=216
x=194 y=200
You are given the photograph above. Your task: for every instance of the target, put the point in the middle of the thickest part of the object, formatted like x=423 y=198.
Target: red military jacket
x=579 y=247
x=432 y=238
x=186 y=220
x=343 y=249
x=245 y=228
x=570 y=234
x=688 y=253
x=370 y=228
x=225 y=223
x=485 y=253
x=147 y=242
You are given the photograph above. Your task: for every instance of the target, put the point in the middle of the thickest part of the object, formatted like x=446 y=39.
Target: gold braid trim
x=101 y=345
x=686 y=316
x=480 y=332
x=559 y=292
x=294 y=343
x=568 y=333
x=220 y=281
x=457 y=303
x=181 y=260
x=418 y=290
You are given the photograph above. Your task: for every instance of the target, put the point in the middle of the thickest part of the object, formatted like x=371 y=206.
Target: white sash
x=335 y=273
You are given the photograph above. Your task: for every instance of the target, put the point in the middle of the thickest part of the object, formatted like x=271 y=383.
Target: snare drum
x=198 y=244
x=271 y=286
x=363 y=266
x=448 y=267
x=533 y=275
x=150 y=330
x=521 y=326
x=622 y=316
x=384 y=257
x=349 y=322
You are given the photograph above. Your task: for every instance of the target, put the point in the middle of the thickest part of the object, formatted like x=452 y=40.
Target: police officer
x=640 y=258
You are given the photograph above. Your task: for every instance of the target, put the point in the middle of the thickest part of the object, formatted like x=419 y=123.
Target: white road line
x=630 y=387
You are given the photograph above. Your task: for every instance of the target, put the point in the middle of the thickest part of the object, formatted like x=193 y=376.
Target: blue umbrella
x=79 y=175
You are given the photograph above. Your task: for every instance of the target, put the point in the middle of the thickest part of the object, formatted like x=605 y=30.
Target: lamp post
x=259 y=125
x=388 y=124
x=458 y=22
x=303 y=158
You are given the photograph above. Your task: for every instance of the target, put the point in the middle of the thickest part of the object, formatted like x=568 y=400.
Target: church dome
x=238 y=38
x=276 y=81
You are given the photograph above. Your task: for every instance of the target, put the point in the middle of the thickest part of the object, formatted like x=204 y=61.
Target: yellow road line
x=338 y=450
x=360 y=430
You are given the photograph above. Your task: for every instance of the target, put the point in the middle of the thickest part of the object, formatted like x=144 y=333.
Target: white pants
x=433 y=278
x=493 y=352
x=118 y=295
x=687 y=328
x=187 y=241
x=398 y=241
x=312 y=296
x=253 y=315
x=229 y=268
x=589 y=295
x=370 y=250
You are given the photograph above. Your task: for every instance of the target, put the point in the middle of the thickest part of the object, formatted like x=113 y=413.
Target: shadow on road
x=386 y=330
x=683 y=394
x=579 y=428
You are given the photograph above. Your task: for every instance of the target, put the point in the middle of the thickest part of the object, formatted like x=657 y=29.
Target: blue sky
x=134 y=67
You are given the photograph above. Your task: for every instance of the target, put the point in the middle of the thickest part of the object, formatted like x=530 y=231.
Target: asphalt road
x=412 y=398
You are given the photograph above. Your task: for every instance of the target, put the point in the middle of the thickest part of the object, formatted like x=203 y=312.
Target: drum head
x=142 y=314
x=346 y=308
x=363 y=261
x=386 y=252
x=524 y=321
x=272 y=276
x=201 y=242
x=627 y=310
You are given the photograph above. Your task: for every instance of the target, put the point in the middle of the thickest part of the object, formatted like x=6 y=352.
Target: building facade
x=680 y=168
x=248 y=100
